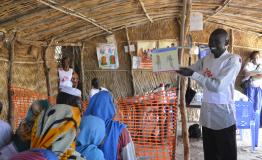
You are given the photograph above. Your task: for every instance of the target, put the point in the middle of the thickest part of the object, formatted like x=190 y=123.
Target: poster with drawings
x=107 y=56
x=165 y=59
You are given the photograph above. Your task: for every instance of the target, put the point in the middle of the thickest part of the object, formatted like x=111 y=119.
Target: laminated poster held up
x=165 y=59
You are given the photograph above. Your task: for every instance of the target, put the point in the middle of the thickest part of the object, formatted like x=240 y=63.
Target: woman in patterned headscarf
x=56 y=128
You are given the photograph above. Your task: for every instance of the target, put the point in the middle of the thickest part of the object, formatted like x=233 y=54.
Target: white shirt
x=217 y=77
x=65 y=77
x=249 y=67
x=94 y=91
x=5 y=133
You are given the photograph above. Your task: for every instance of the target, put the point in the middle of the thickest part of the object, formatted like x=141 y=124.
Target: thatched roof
x=78 y=20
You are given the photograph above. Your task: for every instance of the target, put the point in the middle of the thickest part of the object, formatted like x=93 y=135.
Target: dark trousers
x=220 y=144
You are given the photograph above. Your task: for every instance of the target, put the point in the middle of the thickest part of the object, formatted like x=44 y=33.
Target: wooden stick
x=181 y=83
x=10 y=81
x=131 y=59
x=219 y=9
x=73 y=13
x=84 y=94
x=144 y=9
x=234 y=27
x=46 y=68
x=43 y=43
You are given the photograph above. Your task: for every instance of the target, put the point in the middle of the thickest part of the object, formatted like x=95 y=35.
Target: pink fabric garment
x=28 y=155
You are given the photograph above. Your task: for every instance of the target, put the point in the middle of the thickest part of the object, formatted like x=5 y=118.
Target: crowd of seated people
x=63 y=132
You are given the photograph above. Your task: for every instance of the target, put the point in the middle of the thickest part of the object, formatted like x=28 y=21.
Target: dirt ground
x=243 y=146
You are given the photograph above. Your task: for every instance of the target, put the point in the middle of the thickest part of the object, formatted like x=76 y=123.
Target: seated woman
x=56 y=128
x=35 y=154
x=22 y=138
x=118 y=143
x=5 y=131
x=92 y=133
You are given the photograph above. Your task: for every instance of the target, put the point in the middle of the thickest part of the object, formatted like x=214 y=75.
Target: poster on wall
x=165 y=59
x=107 y=56
x=144 y=50
x=196 y=21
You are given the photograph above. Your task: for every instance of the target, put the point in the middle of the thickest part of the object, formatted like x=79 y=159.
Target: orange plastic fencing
x=151 y=119
x=21 y=101
x=152 y=122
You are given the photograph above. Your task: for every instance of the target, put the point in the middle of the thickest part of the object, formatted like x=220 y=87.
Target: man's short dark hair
x=95 y=83
x=223 y=32
x=65 y=98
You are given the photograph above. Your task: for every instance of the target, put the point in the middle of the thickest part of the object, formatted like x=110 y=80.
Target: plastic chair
x=246 y=118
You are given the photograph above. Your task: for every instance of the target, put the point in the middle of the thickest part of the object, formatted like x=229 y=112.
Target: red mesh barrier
x=21 y=100
x=151 y=121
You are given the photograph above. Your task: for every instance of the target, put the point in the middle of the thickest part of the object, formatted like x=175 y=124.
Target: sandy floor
x=244 y=147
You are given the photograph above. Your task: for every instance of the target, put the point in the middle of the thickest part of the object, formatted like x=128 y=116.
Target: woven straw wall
x=118 y=81
x=3 y=79
x=28 y=71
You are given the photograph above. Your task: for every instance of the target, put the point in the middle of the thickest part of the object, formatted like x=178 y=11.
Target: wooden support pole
x=84 y=94
x=131 y=57
x=231 y=41
x=10 y=81
x=46 y=69
x=43 y=43
x=182 y=80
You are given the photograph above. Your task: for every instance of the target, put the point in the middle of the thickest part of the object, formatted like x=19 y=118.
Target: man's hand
x=185 y=71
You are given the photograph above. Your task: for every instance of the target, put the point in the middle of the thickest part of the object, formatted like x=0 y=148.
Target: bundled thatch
x=73 y=21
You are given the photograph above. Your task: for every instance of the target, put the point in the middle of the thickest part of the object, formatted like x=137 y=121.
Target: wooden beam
x=84 y=92
x=11 y=50
x=234 y=27
x=131 y=60
x=219 y=9
x=181 y=83
x=73 y=13
x=43 y=43
x=188 y=16
x=144 y=9
x=47 y=69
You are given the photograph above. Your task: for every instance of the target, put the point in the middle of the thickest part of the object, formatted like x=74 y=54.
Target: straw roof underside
x=74 y=21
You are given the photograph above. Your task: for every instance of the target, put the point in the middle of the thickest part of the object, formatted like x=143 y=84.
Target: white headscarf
x=71 y=91
x=5 y=133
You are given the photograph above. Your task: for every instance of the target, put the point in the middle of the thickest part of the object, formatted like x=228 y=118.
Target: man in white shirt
x=217 y=73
